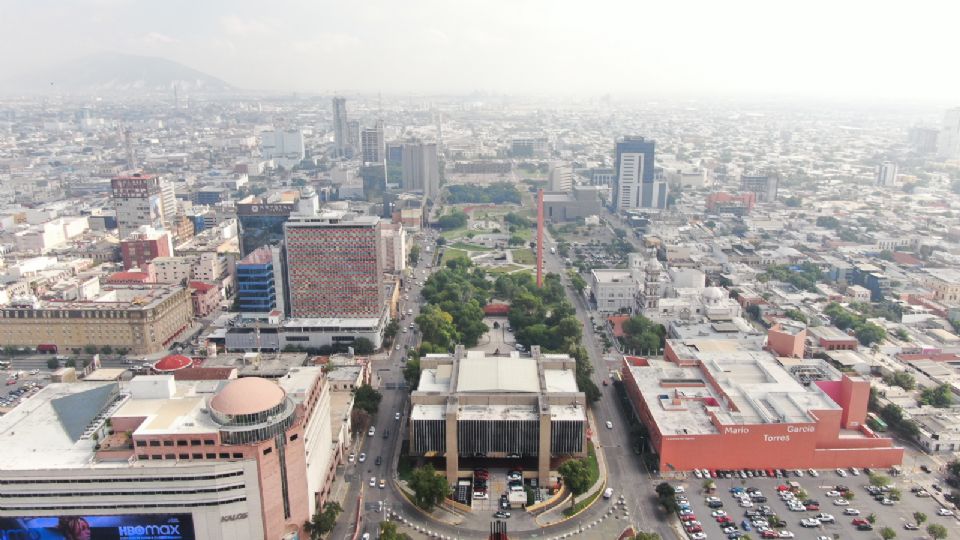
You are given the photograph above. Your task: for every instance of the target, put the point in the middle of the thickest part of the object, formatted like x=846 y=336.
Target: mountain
x=119 y=73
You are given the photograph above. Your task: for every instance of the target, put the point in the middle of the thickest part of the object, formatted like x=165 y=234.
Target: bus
x=875 y=423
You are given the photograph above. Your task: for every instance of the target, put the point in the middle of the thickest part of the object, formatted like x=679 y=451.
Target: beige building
x=140 y=320
x=944 y=282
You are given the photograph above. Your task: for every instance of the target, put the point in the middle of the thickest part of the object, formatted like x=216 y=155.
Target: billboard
x=123 y=527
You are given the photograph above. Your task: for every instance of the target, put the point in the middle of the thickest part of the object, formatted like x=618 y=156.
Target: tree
x=879 y=480
x=362 y=345
x=575 y=475
x=754 y=311
x=919 y=517
x=937 y=531
x=436 y=327
x=391 y=330
x=849 y=495
x=90 y=349
x=414 y=256
x=872 y=518
x=870 y=333
x=887 y=533
x=323 y=520
x=53 y=363
x=940 y=396
x=646 y=536
x=429 y=489
x=579 y=284
x=516 y=240
x=453 y=220
x=367 y=399
x=796 y=315
x=666 y=497
x=388 y=531
x=902 y=379
x=411 y=371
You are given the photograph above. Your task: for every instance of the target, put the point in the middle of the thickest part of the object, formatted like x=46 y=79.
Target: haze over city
x=479 y=270
x=851 y=51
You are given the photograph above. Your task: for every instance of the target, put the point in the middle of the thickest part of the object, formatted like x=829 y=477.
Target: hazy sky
x=904 y=50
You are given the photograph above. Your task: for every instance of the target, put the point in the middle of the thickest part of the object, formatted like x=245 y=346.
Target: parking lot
x=895 y=516
x=23 y=386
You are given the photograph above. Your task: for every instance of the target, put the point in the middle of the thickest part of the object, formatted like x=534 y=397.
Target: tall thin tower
x=128 y=146
x=540 y=238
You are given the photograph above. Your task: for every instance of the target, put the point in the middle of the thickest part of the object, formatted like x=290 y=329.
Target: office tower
x=341 y=134
x=371 y=144
x=393 y=242
x=285 y=147
x=335 y=266
x=924 y=139
x=353 y=137
x=637 y=184
x=421 y=168
x=374 y=176
x=261 y=224
x=949 y=140
x=763 y=186
x=260 y=287
x=142 y=199
x=561 y=177
x=887 y=174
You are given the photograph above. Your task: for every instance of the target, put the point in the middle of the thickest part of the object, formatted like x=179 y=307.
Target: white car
x=371 y=431
x=609 y=424
x=833 y=493
x=851 y=512
x=352 y=457
x=718 y=513
x=944 y=512
x=786 y=534
x=362 y=458
x=396 y=416
x=813 y=473
x=697 y=473
x=824 y=518
x=698 y=536
x=841 y=473
x=841 y=502
x=373 y=481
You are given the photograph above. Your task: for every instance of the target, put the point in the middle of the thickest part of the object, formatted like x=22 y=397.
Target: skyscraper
x=335 y=266
x=637 y=185
x=284 y=146
x=143 y=199
x=948 y=144
x=764 y=186
x=421 y=168
x=561 y=177
x=341 y=133
x=371 y=144
x=260 y=287
x=887 y=174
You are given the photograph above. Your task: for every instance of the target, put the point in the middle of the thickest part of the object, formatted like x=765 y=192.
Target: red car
x=694 y=529
x=860 y=521
x=813 y=507
x=724 y=519
x=769 y=534
x=688 y=517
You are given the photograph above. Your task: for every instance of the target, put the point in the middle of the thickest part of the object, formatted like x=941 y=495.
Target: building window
x=194 y=442
x=143 y=456
x=237 y=455
x=224 y=455
x=168 y=443
x=294 y=437
x=169 y=456
x=211 y=456
x=154 y=443
x=181 y=443
x=267 y=451
x=196 y=456
x=141 y=443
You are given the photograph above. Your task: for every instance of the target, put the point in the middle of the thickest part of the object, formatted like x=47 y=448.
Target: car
x=854 y=471
x=607 y=493
x=841 y=502
x=810 y=523
x=910 y=526
x=386 y=434
x=696 y=472
x=825 y=518
x=371 y=431
x=383 y=483
x=823 y=538
x=859 y=521
x=378 y=461
x=396 y=416
x=841 y=473
x=373 y=481
x=362 y=458
x=610 y=425
x=694 y=529
x=366 y=536
x=501 y=515
x=719 y=513
x=769 y=534
x=352 y=457
x=865 y=527
x=923 y=493
x=787 y=534
x=944 y=512
x=833 y=493
x=812 y=507
x=887 y=502
x=728 y=530
x=689 y=516
x=679 y=489
x=925 y=469
x=851 y=512
x=698 y=536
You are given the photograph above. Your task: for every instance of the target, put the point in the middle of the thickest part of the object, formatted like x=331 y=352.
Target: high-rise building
x=421 y=168
x=143 y=199
x=374 y=176
x=949 y=140
x=261 y=224
x=260 y=287
x=353 y=136
x=529 y=147
x=284 y=147
x=341 y=132
x=637 y=184
x=762 y=185
x=561 y=177
x=335 y=266
x=924 y=139
x=393 y=242
x=887 y=174
x=371 y=144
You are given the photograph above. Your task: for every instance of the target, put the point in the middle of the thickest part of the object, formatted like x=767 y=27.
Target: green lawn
x=505 y=269
x=454 y=233
x=453 y=253
x=580 y=505
x=524 y=256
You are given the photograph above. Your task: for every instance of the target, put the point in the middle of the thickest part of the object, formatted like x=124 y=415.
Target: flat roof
x=560 y=380
x=498 y=374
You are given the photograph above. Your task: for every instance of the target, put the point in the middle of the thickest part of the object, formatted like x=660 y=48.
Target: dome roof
x=713 y=293
x=173 y=362
x=248 y=395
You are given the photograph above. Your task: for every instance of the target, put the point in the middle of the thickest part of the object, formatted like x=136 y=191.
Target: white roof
x=496 y=374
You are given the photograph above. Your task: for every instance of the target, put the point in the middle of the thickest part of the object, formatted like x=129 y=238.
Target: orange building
x=712 y=404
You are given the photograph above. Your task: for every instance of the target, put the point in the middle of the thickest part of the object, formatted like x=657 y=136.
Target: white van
x=607 y=493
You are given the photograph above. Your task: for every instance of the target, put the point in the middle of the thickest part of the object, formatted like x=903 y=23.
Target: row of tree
x=455 y=297
x=867 y=332
x=496 y=193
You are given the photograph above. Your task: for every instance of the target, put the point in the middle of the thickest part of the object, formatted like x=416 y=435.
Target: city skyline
x=815 y=50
